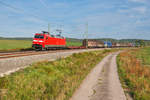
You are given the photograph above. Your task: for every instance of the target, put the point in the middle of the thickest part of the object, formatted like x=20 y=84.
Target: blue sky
x=117 y=19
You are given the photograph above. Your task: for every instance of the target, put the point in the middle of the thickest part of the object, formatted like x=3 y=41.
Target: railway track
x=4 y=55
x=26 y=53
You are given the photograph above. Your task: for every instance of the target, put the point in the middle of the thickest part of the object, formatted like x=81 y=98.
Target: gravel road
x=102 y=83
x=10 y=65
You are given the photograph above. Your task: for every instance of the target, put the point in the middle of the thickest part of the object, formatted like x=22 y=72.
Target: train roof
x=50 y=35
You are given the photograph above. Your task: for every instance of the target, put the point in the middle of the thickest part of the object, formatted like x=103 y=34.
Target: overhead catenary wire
x=19 y=10
x=8 y=5
x=22 y=11
x=43 y=3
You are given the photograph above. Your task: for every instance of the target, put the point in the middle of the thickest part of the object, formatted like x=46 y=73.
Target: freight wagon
x=92 y=43
x=107 y=44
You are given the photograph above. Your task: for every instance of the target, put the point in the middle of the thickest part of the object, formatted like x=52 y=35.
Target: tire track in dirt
x=102 y=83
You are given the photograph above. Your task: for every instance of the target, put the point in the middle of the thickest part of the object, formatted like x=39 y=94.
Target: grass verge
x=134 y=72
x=55 y=80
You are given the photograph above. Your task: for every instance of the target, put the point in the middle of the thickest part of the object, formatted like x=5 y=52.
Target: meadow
x=14 y=44
x=134 y=72
x=50 y=80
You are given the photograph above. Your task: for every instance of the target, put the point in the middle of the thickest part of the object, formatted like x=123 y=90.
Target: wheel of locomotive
x=42 y=49
x=37 y=49
x=46 y=49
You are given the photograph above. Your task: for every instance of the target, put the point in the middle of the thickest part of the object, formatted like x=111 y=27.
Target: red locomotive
x=45 y=40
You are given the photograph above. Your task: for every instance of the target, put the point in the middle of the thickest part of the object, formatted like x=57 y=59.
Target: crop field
x=55 y=80
x=134 y=71
x=15 y=44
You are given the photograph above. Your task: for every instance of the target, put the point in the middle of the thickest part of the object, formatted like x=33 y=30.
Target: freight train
x=45 y=41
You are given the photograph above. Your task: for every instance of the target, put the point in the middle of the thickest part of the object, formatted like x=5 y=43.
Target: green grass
x=134 y=72
x=71 y=43
x=143 y=55
x=14 y=44
x=56 y=80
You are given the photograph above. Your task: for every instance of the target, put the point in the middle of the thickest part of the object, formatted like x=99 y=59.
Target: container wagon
x=107 y=44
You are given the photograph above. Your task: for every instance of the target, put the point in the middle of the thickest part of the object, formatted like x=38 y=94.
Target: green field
x=15 y=44
x=56 y=80
x=134 y=72
x=71 y=43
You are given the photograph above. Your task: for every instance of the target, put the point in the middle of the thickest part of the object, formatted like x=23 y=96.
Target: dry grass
x=134 y=74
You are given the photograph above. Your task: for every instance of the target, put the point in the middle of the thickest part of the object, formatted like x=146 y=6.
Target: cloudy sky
x=106 y=18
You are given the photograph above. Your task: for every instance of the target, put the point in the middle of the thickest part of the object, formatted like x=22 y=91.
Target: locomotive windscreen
x=39 y=36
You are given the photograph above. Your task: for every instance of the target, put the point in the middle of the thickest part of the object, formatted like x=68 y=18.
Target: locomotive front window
x=39 y=36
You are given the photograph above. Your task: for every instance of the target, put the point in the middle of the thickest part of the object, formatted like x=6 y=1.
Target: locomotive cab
x=38 y=41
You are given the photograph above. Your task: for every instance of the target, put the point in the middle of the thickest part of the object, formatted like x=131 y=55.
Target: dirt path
x=102 y=83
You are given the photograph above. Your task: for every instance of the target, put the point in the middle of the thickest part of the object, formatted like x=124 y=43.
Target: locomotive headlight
x=40 y=41
x=35 y=40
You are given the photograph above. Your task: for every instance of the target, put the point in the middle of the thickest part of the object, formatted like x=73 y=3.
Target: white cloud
x=34 y=20
x=134 y=10
x=123 y=10
x=43 y=3
x=141 y=9
x=138 y=1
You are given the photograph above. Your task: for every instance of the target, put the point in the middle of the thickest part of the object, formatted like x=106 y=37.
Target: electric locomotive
x=44 y=41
